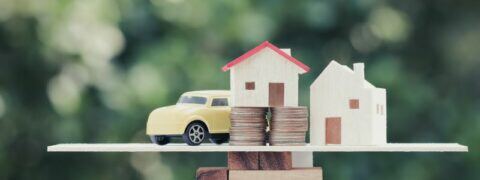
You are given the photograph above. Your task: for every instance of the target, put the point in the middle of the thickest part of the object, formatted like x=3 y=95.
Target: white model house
x=264 y=77
x=346 y=109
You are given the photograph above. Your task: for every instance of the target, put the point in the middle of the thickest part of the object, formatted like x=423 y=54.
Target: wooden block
x=302 y=159
x=275 y=160
x=297 y=174
x=212 y=173
x=243 y=160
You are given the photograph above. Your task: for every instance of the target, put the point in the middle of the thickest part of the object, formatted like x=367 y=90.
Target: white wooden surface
x=264 y=67
x=148 y=147
x=329 y=97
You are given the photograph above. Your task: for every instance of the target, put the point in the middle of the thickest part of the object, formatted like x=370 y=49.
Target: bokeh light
x=389 y=24
x=3 y=108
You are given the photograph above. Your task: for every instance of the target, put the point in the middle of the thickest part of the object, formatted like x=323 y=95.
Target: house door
x=276 y=94
x=333 y=133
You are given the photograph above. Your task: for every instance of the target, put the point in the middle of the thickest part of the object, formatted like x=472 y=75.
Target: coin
x=288 y=126
x=248 y=125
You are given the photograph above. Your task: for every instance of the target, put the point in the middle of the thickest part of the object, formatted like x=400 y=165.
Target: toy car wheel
x=219 y=138
x=160 y=140
x=195 y=134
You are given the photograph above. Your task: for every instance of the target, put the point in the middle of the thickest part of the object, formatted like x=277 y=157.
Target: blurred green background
x=92 y=70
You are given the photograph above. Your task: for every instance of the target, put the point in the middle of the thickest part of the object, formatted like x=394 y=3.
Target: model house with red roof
x=265 y=76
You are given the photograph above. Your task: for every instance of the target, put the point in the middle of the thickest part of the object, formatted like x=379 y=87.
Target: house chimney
x=287 y=51
x=358 y=69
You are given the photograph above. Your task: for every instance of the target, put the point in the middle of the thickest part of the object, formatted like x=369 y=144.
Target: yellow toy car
x=198 y=115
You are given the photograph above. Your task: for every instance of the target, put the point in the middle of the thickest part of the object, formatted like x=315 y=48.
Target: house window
x=250 y=85
x=354 y=104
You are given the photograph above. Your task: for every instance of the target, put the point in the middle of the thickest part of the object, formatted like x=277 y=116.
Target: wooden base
x=297 y=174
x=261 y=166
x=212 y=173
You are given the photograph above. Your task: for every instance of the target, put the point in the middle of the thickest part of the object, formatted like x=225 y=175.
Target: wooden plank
x=212 y=173
x=275 y=160
x=243 y=160
x=297 y=174
x=208 y=147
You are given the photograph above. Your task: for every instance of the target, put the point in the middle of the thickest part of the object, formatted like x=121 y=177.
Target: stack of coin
x=288 y=126
x=248 y=126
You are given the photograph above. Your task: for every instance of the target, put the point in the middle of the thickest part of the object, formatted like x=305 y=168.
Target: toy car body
x=198 y=115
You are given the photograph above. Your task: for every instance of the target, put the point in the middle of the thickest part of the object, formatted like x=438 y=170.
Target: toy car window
x=220 y=102
x=192 y=100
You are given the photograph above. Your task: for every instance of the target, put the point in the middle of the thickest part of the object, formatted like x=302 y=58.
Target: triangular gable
x=335 y=64
x=265 y=44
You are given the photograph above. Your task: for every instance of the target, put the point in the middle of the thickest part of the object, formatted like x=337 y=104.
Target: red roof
x=260 y=47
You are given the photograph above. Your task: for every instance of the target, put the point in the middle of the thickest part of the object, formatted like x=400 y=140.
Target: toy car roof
x=209 y=93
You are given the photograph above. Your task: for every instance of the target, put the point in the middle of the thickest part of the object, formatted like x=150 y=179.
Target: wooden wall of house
x=330 y=96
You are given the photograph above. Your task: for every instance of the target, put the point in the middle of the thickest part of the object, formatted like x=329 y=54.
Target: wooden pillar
x=243 y=161
x=302 y=159
x=275 y=160
x=212 y=173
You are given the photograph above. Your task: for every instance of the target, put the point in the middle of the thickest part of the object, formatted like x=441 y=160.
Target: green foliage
x=91 y=71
